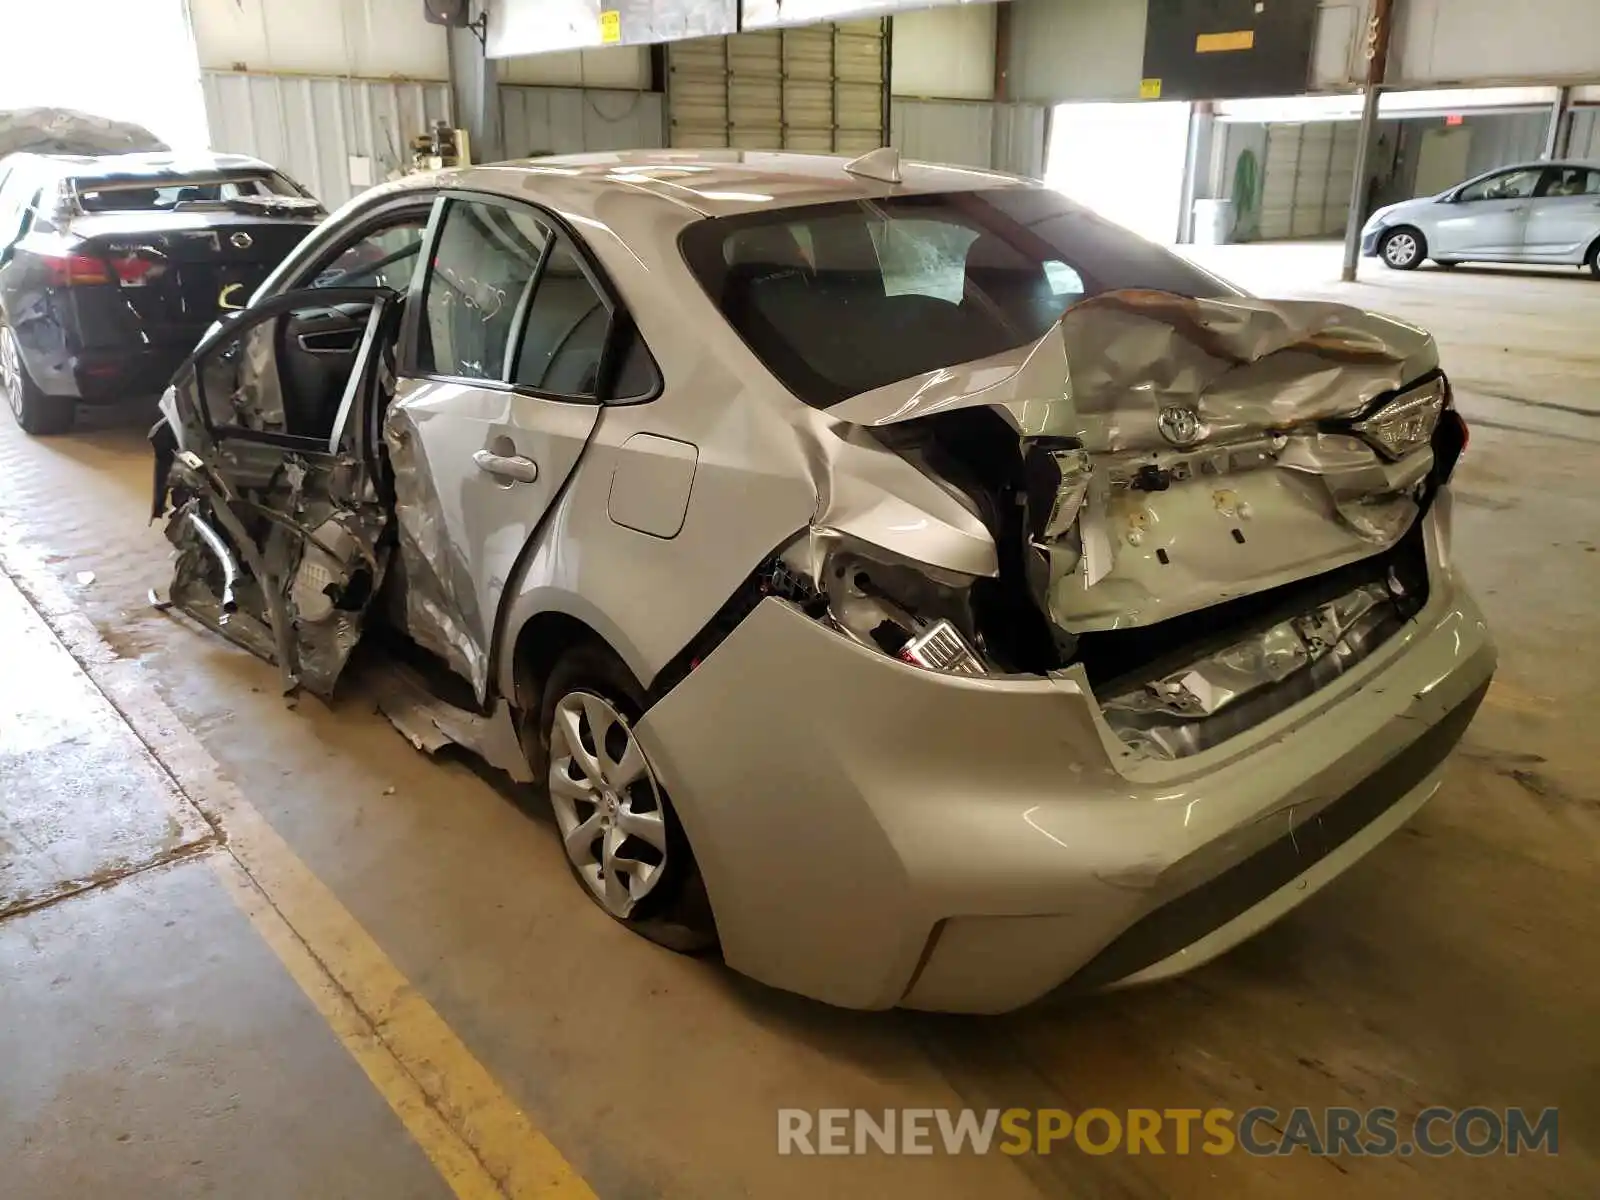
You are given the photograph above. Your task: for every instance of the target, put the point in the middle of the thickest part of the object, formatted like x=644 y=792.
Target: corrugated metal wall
x=1076 y=49
x=1585 y=139
x=1309 y=173
x=311 y=127
x=817 y=88
x=943 y=131
x=1499 y=139
x=999 y=137
x=547 y=120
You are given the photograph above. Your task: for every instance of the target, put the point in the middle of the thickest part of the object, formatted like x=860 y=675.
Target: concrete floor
x=154 y=1046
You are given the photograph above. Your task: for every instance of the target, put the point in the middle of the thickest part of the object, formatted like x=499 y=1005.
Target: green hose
x=1245 y=216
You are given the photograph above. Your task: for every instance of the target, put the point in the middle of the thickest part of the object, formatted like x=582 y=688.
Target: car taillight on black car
x=76 y=270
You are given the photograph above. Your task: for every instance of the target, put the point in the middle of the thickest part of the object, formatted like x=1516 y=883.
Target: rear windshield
x=838 y=299
x=170 y=193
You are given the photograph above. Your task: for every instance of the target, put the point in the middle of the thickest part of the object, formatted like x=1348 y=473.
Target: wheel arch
x=1407 y=227
x=1589 y=255
x=539 y=628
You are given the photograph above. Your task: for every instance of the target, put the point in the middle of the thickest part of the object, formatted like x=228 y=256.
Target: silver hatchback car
x=899 y=576
x=1544 y=212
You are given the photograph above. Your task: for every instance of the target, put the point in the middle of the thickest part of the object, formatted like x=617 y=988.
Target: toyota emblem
x=1179 y=425
x=241 y=241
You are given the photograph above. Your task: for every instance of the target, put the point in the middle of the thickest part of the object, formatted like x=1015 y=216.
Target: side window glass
x=485 y=260
x=566 y=329
x=1513 y=185
x=1570 y=181
x=382 y=258
x=638 y=375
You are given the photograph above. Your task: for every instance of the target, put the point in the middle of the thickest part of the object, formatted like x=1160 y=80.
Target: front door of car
x=272 y=462
x=1564 y=216
x=498 y=404
x=1487 y=218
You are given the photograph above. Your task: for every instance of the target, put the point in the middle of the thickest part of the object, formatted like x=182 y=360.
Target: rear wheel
x=622 y=839
x=35 y=412
x=1594 y=259
x=1403 y=249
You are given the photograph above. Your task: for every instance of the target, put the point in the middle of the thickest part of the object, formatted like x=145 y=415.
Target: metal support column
x=1379 y=27
x=1559 y=135
x=475 y=95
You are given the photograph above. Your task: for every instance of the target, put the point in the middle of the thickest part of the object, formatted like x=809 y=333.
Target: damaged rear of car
x=926 y=589
x=1189 y=638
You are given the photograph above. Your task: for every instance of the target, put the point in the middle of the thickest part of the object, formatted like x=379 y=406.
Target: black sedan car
x=112 y=267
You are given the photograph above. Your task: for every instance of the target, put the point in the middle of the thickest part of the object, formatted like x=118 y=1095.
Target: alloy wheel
x=1401 y=250
x=607 y=802
x=11 y=370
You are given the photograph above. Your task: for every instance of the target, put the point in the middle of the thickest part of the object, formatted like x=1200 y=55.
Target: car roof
x=149 y=165
x=1541 y=163
x=713 y=183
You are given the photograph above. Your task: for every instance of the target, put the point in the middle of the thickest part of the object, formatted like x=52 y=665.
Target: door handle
x=513 y=468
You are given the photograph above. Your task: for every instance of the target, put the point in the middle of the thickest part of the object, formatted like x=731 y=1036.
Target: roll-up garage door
x=817 y=88
x=1309 y=173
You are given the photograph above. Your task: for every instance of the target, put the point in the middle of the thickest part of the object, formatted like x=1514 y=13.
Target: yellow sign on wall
x=611 y=26
x=1150 y=89
x=1213 y=43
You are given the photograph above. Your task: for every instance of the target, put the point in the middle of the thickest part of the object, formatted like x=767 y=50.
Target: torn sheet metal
x=1185 y=711
x=433 y=591
x=282 y=545
x=430 y=724
x=1225 y=452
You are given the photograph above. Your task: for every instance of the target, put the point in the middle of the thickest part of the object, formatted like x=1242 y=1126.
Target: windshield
x=838 y=299
x=171 y=192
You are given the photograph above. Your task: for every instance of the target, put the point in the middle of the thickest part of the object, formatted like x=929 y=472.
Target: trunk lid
x=173 y=273
x=1193 y=451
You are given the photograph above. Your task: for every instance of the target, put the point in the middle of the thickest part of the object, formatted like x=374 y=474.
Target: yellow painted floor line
x=452 y=1157
x=480 y=1141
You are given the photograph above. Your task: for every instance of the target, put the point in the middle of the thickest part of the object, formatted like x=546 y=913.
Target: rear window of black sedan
x=838 y=299
x=171 y=193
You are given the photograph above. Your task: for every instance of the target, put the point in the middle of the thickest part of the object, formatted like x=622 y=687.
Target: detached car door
x=270 y=468
x=498 y=404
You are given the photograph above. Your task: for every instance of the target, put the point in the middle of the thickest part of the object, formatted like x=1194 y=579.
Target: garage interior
x=258 y=948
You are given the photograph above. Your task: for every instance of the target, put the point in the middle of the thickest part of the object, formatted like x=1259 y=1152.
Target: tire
x=1403 y=248
x=661 y=895
x=35 y=413
x=1593 y=261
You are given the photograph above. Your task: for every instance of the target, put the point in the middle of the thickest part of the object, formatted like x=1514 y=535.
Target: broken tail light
x=904 y=609
x=1406 y=422
x=940 y=647
x=136 y=270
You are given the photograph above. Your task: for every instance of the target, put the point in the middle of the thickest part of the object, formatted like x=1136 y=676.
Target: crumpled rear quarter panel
x=841 y=803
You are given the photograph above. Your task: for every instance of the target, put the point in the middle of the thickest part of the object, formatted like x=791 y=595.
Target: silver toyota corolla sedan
x=1543 y=212
x=898 y=576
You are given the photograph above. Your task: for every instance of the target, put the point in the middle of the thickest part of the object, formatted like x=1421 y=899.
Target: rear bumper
x=108 y=374
x=873 y=835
